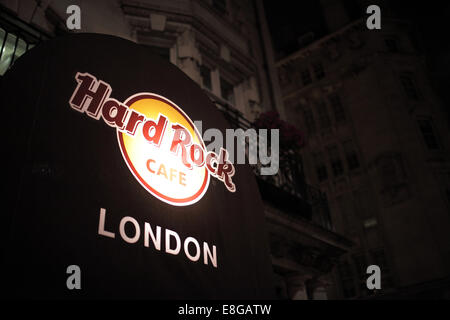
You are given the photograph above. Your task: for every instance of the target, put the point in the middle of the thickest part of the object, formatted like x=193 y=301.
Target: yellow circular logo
x=167 y=154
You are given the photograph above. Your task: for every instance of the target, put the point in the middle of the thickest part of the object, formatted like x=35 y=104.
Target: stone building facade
x=378 y=146
x=223 y=46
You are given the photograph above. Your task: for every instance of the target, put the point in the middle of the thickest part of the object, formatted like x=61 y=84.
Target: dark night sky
x=291 y=19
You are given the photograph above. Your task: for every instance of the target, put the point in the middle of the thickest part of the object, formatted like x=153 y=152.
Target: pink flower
x=290 y=136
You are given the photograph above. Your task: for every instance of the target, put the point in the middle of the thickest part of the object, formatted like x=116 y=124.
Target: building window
x=306 y=77
x=391 y=45
x=318 y=70
x=345 y=270
x=220 y=5
x=336 y=163
x=426 y=127
x=390 y=173
x=161 y=52
x=321 y=169
x=393 y=179
x=360 y=263
x=8 y=41
x=205 y=74
x=227 y=91
x=324 y=118
x=309 y=121
x=348 y=285
x=338 y=109
x=11 y=48
x=379 y=258
x=409 y=85
x=350 y=154
x=359 y=260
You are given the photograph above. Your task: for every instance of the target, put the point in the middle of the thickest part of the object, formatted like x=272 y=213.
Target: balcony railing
x=287 y=190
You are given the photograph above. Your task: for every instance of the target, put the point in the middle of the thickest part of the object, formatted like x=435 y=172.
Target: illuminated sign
x=159 y=142
x=109 y=173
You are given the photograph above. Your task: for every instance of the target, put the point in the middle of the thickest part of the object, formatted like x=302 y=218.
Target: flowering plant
x=291 y=139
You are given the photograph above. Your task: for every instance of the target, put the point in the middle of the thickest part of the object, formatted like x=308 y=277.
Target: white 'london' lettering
x=172 y=244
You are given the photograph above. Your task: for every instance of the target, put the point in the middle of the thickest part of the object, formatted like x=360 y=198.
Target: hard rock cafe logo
x=159 y=142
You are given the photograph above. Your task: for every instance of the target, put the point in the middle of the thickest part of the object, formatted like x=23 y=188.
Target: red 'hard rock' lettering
x=92 y=97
